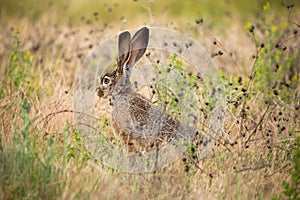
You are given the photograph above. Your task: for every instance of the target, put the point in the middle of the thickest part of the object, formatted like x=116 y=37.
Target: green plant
x=19 y=72
x=74 y=147
x=27 y=167
x=292 y=188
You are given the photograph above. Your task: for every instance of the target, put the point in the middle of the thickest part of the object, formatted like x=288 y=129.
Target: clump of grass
x=32 y=164
x=262 y=122
x=27 y=167
x=292 y=189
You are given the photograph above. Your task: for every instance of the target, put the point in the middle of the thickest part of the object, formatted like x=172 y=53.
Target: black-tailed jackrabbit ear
x=139 y=45
x=124 y=47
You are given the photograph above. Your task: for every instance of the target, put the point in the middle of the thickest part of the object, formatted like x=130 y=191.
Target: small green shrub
x=27 y=167
x=292 y=187
x=19 y=73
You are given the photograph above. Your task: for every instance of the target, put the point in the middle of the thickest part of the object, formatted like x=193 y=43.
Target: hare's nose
x=99 y=92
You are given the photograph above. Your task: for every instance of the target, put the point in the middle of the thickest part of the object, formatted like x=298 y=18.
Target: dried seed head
x=295 y=31
x=187 y=168
x=289 y=5
x=199 y=21
x=240 y=80
x=252 y=29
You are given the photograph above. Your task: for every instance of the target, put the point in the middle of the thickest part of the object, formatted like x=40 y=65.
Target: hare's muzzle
x=100 y=92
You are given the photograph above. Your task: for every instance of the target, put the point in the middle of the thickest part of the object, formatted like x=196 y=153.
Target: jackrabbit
x=140 y=124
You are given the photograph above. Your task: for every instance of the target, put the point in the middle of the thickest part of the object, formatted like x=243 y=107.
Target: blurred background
x=218 y=13
x=65 y=31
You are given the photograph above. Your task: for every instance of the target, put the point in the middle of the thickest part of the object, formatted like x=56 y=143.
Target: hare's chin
x=104 y=96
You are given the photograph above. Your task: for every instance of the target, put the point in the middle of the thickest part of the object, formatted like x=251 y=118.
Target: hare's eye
x=106 y=80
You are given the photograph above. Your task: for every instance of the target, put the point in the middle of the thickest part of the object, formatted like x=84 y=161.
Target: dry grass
x=246 y=163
